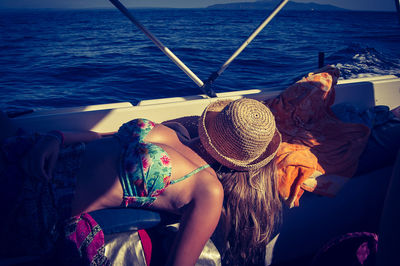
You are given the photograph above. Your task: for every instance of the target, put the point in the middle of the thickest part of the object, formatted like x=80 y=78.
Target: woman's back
x=98 y=180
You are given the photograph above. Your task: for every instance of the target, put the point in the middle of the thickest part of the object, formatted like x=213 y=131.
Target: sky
x=376 y=5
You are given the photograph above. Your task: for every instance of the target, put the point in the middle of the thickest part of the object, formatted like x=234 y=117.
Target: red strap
x=146 y=244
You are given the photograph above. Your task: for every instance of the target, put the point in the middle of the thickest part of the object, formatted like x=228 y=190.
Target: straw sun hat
x=239 y=134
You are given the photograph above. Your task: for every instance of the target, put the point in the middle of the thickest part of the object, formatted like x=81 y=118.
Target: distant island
x=271 y=4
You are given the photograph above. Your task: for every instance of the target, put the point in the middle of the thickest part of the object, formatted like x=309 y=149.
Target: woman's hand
x=41 y=159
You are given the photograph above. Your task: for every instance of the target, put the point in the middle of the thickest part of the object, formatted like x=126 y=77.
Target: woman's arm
x=71 y=137
x=201 y=215
x=42 y=157
x=198 y=223
x=9 y=128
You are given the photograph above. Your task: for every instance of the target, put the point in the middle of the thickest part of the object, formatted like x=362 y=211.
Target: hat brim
x=207 y=131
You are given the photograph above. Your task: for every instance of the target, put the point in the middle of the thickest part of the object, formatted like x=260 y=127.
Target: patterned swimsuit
x=145 y=168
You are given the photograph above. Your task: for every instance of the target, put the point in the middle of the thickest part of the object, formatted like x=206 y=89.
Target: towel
x=319 y=153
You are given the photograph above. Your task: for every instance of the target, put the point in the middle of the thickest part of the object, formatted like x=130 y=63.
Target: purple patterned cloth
x=83 y=242
x=354 y=249
x=28 y=226
x=36 y=213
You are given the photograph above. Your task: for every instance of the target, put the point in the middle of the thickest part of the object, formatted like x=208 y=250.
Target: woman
x=147 y=166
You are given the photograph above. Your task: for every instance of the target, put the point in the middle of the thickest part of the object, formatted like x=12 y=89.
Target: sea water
x=64 y=58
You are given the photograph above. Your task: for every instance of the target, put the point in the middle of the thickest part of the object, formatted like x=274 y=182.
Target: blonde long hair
x=252 y=209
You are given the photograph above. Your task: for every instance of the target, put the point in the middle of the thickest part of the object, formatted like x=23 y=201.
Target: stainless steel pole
x=249 y=39
x=157 y=42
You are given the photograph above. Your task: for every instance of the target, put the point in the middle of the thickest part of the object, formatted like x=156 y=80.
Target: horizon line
x=151 y=7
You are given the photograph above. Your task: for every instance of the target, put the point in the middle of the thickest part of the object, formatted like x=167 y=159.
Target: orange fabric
x=315 y=142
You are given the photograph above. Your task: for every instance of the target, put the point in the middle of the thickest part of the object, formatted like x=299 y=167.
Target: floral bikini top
x=145 y=168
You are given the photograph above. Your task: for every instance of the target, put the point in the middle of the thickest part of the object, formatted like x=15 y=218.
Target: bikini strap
x=195 y=171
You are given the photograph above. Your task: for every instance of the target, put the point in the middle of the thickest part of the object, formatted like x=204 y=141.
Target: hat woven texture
x=239 y=134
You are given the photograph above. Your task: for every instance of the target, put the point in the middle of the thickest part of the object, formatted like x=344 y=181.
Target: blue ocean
x=63 y=58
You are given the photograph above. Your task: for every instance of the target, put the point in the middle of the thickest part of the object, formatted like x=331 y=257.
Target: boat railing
x=206 y=87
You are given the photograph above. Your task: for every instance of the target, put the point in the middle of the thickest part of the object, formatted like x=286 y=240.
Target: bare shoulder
x=168 y=139
x=162 y=134
x=209 y=187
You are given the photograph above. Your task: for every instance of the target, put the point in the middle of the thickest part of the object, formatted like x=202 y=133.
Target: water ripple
x=59 y=58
